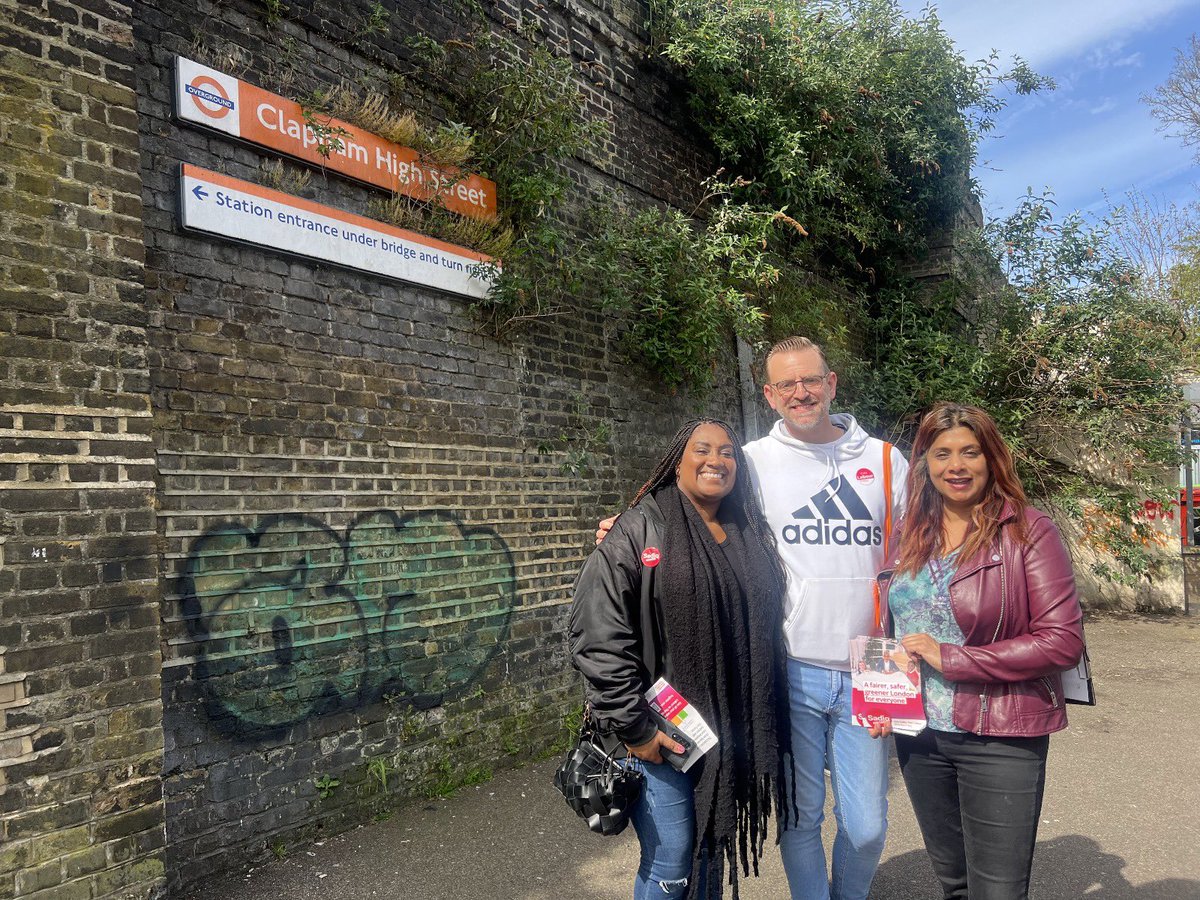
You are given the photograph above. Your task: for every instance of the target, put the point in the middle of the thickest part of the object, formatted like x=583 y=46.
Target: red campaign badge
x=865 y=476
x=651 y=557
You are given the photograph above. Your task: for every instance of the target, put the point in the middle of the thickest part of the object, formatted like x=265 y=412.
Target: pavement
x=1121 y=819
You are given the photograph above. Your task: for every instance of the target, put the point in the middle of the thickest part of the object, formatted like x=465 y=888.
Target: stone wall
x=81 y=811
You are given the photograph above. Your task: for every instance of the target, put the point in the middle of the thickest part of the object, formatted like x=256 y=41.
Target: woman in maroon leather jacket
x=980 y=589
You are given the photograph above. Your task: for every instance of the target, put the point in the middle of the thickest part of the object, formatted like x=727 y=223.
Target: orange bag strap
x=887 y=528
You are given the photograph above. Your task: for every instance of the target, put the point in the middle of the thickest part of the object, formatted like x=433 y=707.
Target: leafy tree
x=1078 y=362
x=1085 y=361
x=860 y=123
x=1166 y=241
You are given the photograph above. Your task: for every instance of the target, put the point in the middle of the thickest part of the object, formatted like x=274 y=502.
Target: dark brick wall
x=280 y=544
x=81 y=809
x=370 y=513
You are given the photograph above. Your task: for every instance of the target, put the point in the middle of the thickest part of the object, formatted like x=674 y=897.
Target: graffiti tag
x=293 y=620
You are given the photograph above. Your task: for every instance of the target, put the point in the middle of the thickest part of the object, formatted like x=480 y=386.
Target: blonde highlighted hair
x=793 y=344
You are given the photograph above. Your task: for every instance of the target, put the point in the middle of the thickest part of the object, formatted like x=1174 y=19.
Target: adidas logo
x=833 y=512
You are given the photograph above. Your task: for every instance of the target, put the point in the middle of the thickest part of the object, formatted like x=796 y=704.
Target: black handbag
x=601 y=788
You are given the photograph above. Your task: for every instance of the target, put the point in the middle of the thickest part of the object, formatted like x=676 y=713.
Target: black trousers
x=977 y=800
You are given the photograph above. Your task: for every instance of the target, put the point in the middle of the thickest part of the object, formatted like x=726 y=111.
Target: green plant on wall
x=378 y=770
x=568 y=731
x=283 y=177
x=409 y=722
x=527 y=118
x=326 y=784
x=446 y=780
x=327 y=136
x=685 y=283
x=375 y=22
x=273 y=12
x=581 y=441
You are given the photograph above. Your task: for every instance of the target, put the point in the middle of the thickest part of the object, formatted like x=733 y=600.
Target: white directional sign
x=228 y=207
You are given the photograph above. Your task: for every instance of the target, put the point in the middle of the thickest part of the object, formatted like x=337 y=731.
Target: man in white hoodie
x=819 y=478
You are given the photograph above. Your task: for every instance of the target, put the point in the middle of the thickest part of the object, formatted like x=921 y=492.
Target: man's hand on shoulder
x=604 y=528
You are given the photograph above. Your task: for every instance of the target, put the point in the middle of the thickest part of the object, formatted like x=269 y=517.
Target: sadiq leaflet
x=886 y=685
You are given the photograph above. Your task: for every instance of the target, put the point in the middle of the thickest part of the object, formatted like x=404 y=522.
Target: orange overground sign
x=213 y=99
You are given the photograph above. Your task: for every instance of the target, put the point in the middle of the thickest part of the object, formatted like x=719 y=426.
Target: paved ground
x=1121 y=819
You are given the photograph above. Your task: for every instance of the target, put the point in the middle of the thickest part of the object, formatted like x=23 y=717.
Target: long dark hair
x=740 y=503
x=922 y=534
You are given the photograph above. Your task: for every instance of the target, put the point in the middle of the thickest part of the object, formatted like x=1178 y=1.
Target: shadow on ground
x=1071 y=866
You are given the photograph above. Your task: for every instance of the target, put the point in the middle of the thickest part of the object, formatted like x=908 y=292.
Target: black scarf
x=726 y=650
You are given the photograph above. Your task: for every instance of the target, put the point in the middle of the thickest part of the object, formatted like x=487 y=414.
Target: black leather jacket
x=615 y=630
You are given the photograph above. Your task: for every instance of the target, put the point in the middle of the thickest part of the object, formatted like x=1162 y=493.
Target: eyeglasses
x=812 y=384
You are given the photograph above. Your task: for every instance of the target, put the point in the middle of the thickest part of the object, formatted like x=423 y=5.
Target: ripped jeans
x=664 y=821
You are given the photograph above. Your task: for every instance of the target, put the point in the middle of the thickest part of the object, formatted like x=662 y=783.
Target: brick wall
x=280 y=544
x=81 y=811
x=371 y=514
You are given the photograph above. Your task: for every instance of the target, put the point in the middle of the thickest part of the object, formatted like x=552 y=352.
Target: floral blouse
x=921 y=604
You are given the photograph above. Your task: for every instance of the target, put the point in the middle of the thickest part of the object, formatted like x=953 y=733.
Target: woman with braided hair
x=688 y=586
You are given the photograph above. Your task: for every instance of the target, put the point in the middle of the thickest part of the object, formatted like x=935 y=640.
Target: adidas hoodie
x=825 y=505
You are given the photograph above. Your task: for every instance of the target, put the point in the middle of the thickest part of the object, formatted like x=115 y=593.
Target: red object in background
x=1183 y=538
x=1152 y=509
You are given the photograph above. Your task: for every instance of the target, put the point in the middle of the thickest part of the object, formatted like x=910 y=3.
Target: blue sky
x=1092 y=134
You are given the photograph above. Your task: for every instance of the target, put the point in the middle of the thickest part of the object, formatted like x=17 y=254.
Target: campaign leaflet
x=885 y=685
x=682 y=723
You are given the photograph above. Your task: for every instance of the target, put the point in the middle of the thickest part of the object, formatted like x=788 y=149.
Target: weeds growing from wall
x=326 y=784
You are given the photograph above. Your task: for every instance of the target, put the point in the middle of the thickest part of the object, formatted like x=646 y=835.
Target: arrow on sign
x=199 y=192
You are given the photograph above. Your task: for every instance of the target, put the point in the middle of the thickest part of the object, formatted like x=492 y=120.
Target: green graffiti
x=293 y=620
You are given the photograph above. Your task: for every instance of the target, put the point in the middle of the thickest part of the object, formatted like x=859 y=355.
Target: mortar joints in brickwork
x=94 y=412
x=16 y=745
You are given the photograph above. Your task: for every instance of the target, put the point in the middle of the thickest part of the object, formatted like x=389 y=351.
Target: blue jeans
x=824 y=737
x=664 y=819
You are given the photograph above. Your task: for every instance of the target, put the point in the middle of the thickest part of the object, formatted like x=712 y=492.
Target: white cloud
x=1045 y=31
x=1115 y=153
x=1108 y=56
x=1106 y=106
x=1102 y=57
